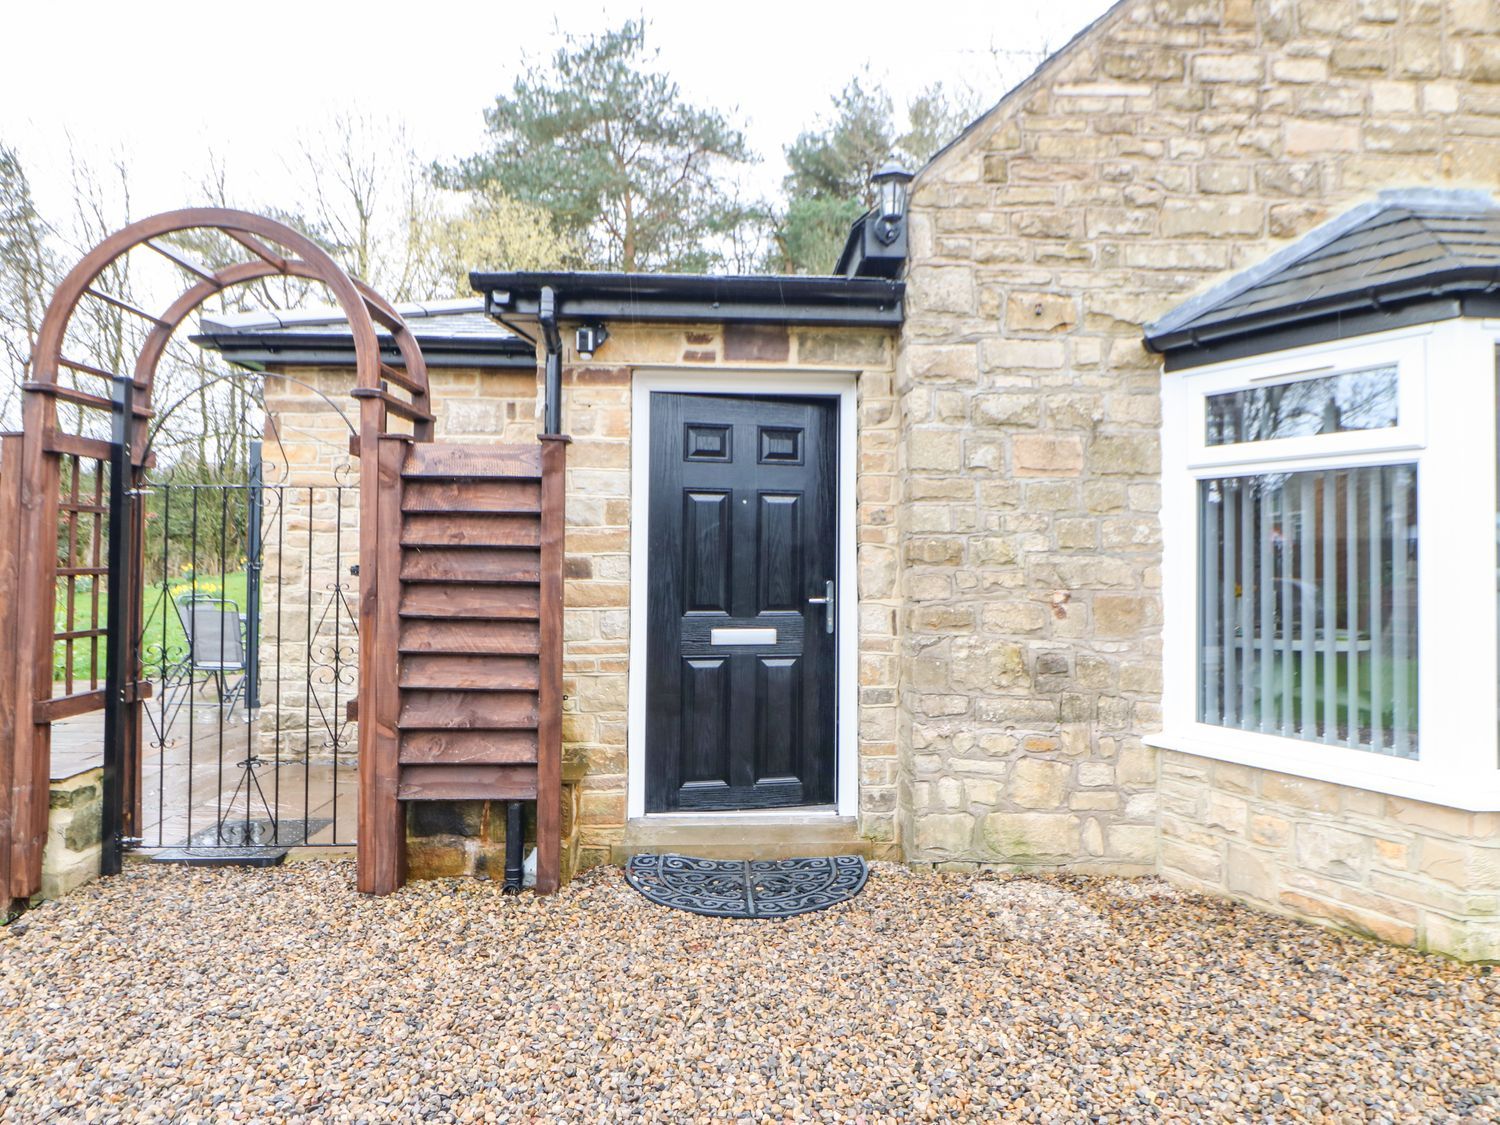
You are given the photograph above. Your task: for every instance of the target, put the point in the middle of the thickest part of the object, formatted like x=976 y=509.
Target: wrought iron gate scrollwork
x=250 y=638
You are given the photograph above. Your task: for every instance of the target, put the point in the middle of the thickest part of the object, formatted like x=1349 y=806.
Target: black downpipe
x=551 y=424
x=515 y=829
x=552 y=381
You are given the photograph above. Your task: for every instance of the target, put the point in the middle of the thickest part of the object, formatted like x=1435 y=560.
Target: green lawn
x=160 y=621
x=1392 y=672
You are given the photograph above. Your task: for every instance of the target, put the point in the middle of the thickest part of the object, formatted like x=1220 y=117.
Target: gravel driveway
x=172 y=994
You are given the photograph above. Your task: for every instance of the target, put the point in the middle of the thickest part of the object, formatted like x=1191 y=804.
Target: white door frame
x=842 y=386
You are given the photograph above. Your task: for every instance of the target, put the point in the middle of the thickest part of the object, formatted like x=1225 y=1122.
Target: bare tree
x=365 y=196
x=28 y=272
x=375 y=208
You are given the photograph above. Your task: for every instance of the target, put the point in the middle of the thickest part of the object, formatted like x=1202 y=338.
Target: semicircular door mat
x=747 y=888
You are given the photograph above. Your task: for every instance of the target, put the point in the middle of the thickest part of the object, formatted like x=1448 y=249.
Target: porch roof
x=455 y=333
x=757 y=299
x=1407 y=257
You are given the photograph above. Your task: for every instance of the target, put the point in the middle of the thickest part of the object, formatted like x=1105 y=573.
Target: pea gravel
x=187 y=995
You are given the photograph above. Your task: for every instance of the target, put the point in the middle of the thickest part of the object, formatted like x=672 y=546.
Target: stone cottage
x=1141 y=522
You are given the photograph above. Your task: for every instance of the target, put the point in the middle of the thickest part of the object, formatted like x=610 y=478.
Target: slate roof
x=456 y=333
x=1407 y=257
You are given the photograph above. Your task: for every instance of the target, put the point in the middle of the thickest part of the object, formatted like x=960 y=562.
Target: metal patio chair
x=216 y=646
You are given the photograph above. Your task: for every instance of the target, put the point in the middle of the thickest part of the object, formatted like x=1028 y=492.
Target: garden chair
x=216 y=646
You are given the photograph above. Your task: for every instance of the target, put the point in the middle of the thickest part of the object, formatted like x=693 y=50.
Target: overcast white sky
x=162 y=82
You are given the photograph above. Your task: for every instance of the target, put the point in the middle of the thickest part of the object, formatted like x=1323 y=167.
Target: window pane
x=1355 y=400
x=1308 y=600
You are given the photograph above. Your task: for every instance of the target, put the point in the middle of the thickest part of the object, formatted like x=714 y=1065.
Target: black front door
x=743 y=550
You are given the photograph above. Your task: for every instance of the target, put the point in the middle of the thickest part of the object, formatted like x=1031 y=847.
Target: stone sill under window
x=1394 y=776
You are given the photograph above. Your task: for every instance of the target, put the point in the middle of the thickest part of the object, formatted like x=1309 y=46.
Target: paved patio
x=282 y=994
x=193 y=777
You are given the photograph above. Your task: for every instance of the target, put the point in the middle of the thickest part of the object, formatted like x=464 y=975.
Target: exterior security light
x=890 y=200
x=590 y=338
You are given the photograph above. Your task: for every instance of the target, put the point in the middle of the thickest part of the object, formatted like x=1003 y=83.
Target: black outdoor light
x=589 y=339
x=890 y=200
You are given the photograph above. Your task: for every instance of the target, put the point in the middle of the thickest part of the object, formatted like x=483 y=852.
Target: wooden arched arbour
x=30 y=507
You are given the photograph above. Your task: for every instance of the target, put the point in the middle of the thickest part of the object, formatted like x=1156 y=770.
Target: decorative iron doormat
x=740 y=888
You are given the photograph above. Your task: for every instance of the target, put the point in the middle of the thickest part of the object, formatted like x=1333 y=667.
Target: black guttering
x=765 y=299
x=336 y=348
x=1443 y=289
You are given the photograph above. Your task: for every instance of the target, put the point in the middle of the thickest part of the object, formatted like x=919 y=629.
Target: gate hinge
x=354 y=570
x=131 y=841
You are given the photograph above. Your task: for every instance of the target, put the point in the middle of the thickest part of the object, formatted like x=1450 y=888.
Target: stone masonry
x=597 y=414
x=1009 y=464
x=1173 y=142
x=490 y=406
x=1400 y=870
x=75 y=819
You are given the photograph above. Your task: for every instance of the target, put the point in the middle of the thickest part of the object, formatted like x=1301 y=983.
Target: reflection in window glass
x=1308 y=606
x=1354 y=400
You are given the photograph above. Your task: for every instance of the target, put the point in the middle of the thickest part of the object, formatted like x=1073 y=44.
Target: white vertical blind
x=1377 y=620
x=1400 y=593
x=1267 y=603
x=1329 y=550
x=1211 y=677
x=1306 y=634
x=1308 y=606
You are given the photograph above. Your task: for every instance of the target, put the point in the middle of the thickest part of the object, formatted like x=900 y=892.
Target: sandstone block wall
x=75 y=820
x=489 y=407
x=1174 y=142
x=597 y=413
x=452 y=838
x=1391 y=868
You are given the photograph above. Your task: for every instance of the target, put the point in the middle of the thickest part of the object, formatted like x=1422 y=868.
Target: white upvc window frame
x=1446 y=427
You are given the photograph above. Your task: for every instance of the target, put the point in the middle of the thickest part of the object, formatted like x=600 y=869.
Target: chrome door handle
x=827 y=602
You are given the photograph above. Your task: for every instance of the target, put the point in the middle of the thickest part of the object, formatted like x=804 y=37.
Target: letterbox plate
x=742 y=637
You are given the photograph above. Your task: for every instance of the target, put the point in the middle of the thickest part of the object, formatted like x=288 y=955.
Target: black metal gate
x=244 y=624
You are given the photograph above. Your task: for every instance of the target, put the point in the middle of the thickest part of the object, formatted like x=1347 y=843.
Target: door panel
x=778 y=708
x=742 y=532
x=779 y=554
x=705 y=720
x=707 y=537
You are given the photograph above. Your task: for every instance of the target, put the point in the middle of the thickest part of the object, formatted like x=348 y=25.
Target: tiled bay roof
x=1406 y=257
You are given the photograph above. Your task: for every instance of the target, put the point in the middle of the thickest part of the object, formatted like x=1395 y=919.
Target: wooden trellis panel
x=473 y=582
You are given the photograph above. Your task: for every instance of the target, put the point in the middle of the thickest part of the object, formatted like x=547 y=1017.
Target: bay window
x=1328 y=516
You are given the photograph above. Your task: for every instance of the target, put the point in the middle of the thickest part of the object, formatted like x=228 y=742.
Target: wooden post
x=382 y=825
x=36 y=608
x=10 y=507
x=550 y=661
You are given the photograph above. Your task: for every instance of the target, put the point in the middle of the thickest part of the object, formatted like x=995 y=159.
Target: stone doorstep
x=728 y=836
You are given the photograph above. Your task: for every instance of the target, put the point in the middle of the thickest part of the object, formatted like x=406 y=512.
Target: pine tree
x=605 y=143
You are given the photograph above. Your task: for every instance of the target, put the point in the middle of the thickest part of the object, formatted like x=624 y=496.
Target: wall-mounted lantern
x=890 y=200
x=876 y=246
